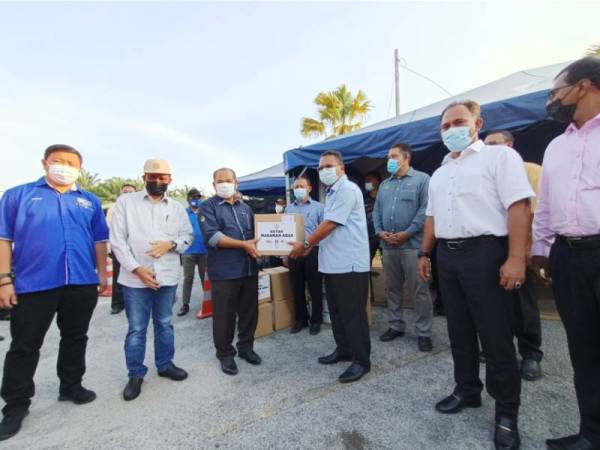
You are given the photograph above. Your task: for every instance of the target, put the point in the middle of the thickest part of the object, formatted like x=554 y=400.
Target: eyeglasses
x=552 y=93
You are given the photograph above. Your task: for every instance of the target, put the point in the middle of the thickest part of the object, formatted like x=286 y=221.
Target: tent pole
x=287 y=188
x=397 y=81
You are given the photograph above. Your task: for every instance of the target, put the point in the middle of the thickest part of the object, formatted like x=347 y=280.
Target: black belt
x=592 y=241
x=462 y=243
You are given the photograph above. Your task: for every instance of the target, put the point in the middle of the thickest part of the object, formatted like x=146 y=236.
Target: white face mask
x=278 y=209
x=63 y=175
x=225 y=190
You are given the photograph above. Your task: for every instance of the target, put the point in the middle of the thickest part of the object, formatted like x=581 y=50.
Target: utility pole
x=397 y=81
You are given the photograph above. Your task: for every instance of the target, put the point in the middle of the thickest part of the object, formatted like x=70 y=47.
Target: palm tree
x=593 y=50
x=88 y=180
x=339 y=111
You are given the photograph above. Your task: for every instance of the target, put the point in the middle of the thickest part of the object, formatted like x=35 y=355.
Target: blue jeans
x=139 y=304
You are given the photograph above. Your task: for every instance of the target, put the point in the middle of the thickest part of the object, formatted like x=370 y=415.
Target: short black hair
x=584 y=68
x=127 y=185
x=374 y=175
x=507 y=135
x=62 y=148
x=405 y=148
x=334 y=153
x=193 y=192
x=305 y=178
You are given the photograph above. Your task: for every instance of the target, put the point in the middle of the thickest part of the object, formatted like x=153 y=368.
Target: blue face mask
x=328 y=176
x=392 y=166
x=300 y=193
x=195 y=203
x=457 y=138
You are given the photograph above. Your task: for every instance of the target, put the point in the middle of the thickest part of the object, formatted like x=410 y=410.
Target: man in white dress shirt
x=148 y=233
x=478 y=210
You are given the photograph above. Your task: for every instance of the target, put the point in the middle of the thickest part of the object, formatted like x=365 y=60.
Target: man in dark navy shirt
x=228 y=229
x=52 y=262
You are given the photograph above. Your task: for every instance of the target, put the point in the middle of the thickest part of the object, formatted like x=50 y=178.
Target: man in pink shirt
x=566 y=235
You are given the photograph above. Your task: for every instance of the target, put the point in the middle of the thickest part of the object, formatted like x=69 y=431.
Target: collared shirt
x=198 y=247
x=218 y=219
x=312 y=211
x=469 y=196
x=346 y=249
x=400 y=206
x=570 y=188
x=138 y=220
x=53 y=235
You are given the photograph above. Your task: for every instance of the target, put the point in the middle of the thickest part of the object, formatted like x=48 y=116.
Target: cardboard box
x=283 y=314
x=264 y=326
x=264 y=287
x=281 y=286
x=276 y=231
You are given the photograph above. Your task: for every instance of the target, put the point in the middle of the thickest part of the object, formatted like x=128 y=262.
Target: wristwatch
x=10 y=275
x=306 y=244
x=422 y=254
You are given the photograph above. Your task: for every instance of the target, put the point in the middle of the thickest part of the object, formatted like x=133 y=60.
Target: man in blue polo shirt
x=228 y=228
x=195 y=255
x=305 y=271
x=52 y=262
x=345 y=264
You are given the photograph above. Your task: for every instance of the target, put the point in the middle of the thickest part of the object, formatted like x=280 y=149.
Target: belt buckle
x=454 y=245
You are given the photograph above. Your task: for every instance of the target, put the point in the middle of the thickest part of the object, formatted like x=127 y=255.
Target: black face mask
x=155 y=188
x=560 y=112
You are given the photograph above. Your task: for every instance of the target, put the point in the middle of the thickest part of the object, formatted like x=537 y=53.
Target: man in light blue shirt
x=305 y=271
x=399 y=216
x=345 y=265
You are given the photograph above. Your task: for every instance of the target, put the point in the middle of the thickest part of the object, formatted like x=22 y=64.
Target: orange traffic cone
x=109 y=275
x=207 y=306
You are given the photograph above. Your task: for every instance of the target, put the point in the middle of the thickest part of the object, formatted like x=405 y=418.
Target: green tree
x=593 y=50
x=339 y=112
x=88 y=180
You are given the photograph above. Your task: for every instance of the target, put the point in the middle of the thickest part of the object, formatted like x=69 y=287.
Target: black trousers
x=305 y=271
x=576 y=286
x=347 y=300
x=231 y=299
x=117 y=300
x=476 y=304
x=528 y=326
x=30 y=320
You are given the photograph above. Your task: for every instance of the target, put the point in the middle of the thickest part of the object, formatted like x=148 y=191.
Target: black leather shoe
x=455 y=403
x=11 y=424
x=354 y=373
x=390 y=335
x=78 y=395
x=229 y=366
x=574 y=442
x=315 y=328
x=425 y=344
x=174 y=373
x=333 y=358
x=506 y=435
x=531 y=370
x=133 y=389
x=116 y=309
x=298 y=326
x=183 y=310
x=251 y=357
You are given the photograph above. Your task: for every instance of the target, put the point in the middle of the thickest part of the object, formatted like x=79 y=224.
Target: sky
x=213 y=84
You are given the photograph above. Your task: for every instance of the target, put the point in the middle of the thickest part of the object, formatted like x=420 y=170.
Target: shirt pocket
x=409 y=195
x=470 y=182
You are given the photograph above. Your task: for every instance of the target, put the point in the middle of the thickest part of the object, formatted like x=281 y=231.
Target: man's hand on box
x=298 y=250
x=250 y=248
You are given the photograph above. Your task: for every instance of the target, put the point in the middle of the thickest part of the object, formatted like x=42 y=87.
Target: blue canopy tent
x=516 y=103
x=267 y=182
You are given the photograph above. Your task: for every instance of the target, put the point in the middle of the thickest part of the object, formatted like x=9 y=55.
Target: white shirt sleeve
x=119 y=235
x=511 y=177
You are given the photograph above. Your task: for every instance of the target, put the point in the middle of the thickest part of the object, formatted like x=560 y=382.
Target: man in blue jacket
x=228 y=228
x=195 y=255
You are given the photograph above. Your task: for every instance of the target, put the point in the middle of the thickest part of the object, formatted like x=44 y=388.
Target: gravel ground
x=289 y=402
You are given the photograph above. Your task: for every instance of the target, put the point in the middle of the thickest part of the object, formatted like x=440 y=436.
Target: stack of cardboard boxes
x=275 y=301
